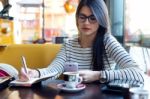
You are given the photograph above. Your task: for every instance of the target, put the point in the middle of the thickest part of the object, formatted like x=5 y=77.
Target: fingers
x=85 y=74
x=23 y=77
x=33 y=73
x=81 y=73
x=30 y=74
x=84 y=78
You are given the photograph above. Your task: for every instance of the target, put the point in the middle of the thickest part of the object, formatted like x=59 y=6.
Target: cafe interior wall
x=28 y=26
x=6 y=23
x=28 y=20
x=57 y=20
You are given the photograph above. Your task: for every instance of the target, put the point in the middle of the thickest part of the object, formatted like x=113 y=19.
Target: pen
x=24 y=64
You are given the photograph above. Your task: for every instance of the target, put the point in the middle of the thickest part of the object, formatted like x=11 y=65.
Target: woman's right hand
x=32 y=73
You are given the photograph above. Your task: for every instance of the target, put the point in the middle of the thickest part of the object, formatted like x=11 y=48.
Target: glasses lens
x=92 y=19
x=82 y=18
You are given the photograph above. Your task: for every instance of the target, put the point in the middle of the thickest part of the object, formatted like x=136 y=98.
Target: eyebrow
x=85 y=15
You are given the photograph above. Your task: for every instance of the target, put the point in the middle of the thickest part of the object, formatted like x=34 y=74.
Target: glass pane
x=137 y=22
x=31 y=24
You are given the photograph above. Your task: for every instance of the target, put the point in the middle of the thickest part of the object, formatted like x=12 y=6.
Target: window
x=137 y=22
x=56 y=20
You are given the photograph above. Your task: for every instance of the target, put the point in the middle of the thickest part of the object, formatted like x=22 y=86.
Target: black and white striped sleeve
x=127 y=67
x=57 y=65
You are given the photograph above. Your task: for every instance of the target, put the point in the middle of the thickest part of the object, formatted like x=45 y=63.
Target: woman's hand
x=89 y=76
x=32 y=73
x=148 y=72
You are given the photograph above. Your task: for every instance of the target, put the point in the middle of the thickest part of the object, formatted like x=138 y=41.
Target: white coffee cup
x=72 y=79
x=138 y=93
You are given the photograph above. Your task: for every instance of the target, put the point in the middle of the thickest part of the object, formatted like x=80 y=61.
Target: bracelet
x=38 y=72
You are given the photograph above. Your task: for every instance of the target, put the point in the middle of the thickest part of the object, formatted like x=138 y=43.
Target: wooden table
x=48 y=90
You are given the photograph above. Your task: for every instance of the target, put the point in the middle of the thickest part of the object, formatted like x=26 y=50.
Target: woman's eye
x=82 y=17
x=92 y=18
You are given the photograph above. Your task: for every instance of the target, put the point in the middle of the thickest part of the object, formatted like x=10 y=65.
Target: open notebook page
x=31 y=81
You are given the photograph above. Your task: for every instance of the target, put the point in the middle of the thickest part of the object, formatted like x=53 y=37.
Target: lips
x=86 y=29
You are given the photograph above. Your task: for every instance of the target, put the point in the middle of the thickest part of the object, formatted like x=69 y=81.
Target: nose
x=87 y=21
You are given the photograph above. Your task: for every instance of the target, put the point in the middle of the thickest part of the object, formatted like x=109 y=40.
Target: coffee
x=70 y=77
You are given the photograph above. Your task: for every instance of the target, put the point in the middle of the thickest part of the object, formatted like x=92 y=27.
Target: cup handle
x=80 y=80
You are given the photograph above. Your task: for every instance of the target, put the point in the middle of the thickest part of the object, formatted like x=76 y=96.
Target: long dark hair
x=100 y=11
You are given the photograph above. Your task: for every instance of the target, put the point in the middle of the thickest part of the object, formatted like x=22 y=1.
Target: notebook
x=31 y=81
x=4 y=81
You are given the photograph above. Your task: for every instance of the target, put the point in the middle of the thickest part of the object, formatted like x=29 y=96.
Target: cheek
x=95 y=27
x=79 y=26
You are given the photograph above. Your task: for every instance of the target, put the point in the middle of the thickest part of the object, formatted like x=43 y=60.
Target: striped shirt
x=118 y=65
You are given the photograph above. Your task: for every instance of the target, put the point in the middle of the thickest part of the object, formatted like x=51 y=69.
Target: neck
x=86 y=42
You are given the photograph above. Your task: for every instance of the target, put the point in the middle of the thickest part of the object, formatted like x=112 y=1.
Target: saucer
x=79 y=87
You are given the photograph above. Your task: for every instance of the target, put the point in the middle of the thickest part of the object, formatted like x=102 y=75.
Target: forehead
x=86 y=10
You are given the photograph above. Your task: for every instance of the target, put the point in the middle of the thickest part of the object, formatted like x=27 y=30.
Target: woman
x=95 y=49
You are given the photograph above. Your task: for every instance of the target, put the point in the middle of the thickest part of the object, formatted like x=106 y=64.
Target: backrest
x=37 y=55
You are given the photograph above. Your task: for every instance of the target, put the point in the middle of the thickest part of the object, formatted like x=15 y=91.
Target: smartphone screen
x=121 y=86
x=71 y=67
x=124 y=84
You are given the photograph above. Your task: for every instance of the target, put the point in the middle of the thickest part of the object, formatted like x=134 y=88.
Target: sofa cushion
x=37 y=55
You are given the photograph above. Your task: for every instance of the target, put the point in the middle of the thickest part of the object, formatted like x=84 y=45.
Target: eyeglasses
x=82 y=18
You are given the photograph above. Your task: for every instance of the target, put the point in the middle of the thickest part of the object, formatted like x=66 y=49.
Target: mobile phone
x=71 y=67
x=121 y=86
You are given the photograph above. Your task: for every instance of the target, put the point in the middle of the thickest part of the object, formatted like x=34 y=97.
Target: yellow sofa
x=37 y=55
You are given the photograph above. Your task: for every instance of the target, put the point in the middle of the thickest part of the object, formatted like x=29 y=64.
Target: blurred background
x=51 y=21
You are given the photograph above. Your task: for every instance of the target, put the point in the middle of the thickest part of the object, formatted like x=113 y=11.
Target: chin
x=87 y=33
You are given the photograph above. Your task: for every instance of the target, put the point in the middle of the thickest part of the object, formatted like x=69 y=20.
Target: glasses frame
x=82 y=18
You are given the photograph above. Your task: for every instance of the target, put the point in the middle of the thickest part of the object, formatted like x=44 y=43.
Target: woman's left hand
x=89 y=75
